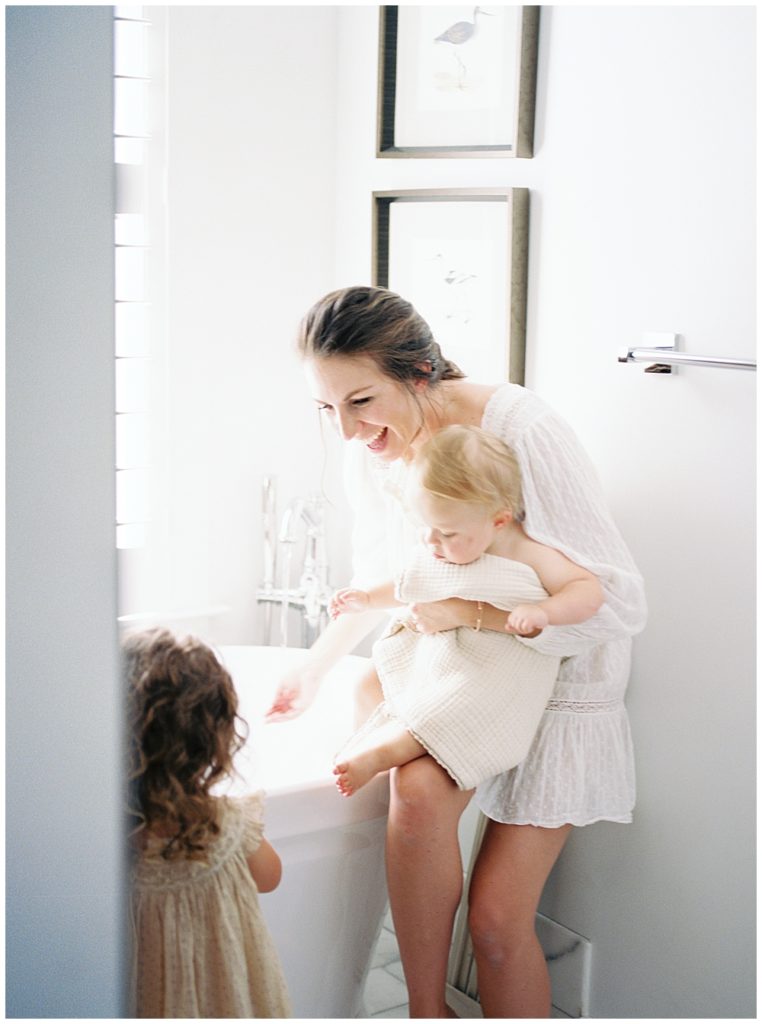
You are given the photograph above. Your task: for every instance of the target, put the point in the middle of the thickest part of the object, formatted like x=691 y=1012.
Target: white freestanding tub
x=327 y=912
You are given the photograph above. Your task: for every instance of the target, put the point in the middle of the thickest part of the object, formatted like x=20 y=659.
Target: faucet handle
x=292 y=513
x=313 y=511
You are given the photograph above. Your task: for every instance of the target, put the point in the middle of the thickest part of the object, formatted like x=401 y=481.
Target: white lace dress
x=580 y=766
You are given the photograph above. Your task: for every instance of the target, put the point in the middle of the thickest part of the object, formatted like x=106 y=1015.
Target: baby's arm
x=351 y=600
x=575 y=593
x=265 y=867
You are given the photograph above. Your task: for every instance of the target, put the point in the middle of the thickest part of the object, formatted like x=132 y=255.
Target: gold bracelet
x=479 y=610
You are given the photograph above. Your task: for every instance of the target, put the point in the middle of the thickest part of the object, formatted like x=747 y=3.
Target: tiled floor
x=385 y=991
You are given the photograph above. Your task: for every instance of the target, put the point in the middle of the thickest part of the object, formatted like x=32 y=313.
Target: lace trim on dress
x=241 y=829
x=585 y=707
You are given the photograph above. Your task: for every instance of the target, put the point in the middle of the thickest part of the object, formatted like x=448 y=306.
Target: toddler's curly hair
x=183 y=737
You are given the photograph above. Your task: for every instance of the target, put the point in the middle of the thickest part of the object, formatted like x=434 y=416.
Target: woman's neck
x=454 y=402
x=464 y=402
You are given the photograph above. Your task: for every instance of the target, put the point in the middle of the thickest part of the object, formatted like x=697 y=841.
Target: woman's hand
x=295 y=693
x=298 y=688
x=438 y=616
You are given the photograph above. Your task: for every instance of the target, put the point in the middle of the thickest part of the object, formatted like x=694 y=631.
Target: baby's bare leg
x=387 y=747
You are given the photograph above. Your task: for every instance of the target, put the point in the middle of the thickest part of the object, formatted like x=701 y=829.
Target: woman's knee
x=511 y=870
x=422 y=793
x=497 y=929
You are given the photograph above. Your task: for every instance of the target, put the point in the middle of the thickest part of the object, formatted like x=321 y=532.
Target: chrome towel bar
x=668 y=358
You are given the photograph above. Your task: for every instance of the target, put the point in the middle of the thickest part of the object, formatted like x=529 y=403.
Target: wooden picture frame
x=460 y=256
x=457 y=81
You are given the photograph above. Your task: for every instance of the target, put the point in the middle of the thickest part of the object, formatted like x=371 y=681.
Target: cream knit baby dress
x=472 y=699
x=200 y=944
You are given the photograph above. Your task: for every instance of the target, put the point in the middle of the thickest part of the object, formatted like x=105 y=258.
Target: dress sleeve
x=567 y=510
x=252 y=809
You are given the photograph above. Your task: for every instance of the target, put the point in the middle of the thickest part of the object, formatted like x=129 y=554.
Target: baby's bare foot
x=342 y=779
x=356 y=771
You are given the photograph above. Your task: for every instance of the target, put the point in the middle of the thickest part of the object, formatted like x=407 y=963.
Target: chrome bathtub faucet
x=312 y=593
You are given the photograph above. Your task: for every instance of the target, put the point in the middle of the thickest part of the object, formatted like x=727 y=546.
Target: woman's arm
x=452 y=612
x=340 y=637
x=297 y=689
x=567 y=510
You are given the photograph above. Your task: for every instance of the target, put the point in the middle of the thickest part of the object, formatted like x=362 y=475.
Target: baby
x=471 y=698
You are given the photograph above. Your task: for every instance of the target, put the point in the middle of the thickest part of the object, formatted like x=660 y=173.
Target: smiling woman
x=370 y=414
x=374 y=367
x=374 y=390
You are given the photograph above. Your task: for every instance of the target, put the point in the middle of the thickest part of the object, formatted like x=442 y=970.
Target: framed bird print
x=460 y=256
x=457 y=81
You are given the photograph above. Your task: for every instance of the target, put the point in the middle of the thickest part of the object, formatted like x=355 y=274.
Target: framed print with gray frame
x=460 y=256
x=457 y=81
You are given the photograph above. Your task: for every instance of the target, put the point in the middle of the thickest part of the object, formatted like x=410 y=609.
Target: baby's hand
x=526 y=619
x=348 y=600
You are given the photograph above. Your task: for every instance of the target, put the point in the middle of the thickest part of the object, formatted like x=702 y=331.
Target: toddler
x=200 y=944
x=470 y=698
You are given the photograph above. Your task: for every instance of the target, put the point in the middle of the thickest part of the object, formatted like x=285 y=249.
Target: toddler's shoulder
x=246 y=814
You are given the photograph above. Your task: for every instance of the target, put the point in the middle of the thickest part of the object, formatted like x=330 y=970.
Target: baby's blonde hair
x=471 y=465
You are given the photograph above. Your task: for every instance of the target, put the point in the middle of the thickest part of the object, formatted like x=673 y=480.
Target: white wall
x=645 y=220
x=64 y=849
x=251 y=117
x=642 y=219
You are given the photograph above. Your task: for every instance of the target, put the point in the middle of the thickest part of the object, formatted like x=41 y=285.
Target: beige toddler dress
x=201 y=947
x=472 y=699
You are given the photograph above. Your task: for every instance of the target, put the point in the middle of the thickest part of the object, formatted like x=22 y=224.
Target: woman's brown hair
x=375 y=322
x=182 y=713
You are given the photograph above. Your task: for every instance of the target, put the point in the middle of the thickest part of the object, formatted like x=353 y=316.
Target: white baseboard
x=463 y=1005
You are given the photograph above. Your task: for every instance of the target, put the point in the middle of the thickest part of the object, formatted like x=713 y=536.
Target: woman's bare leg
x=425 y=877
x=510 y=873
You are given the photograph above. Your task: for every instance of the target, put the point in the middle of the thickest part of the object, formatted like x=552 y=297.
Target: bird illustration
x=458 y=34
x=456 y=299
x=461 y=31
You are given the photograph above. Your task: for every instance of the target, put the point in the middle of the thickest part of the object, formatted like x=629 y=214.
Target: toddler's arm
x=265 y=867
x=350 y=600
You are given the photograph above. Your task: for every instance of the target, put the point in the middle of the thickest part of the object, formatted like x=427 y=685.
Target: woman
x=378 y=375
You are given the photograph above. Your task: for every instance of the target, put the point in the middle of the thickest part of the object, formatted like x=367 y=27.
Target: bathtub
x=327 y=912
